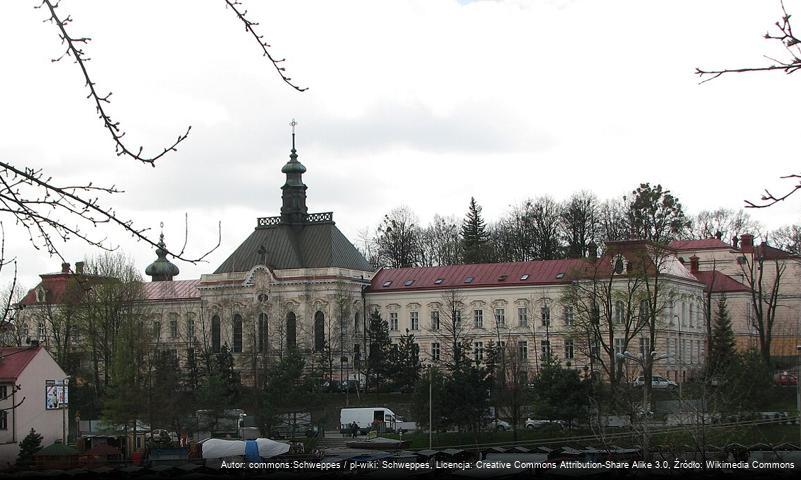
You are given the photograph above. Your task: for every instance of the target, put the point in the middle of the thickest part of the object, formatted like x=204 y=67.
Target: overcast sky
x=421 y=103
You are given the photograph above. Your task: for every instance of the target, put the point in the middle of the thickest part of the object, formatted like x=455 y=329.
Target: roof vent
x=560 y=275
x=438 y=281
x=408 y=283
x=468 y=279
x=524 y=276
x=387 y=283
x=503 y=278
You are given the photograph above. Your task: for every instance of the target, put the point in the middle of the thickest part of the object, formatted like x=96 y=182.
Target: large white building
x=298 y=282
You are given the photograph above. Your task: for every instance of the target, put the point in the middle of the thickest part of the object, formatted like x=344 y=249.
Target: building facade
x=296 y=282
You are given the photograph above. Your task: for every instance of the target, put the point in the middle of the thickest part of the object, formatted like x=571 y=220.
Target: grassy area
x=746 y=435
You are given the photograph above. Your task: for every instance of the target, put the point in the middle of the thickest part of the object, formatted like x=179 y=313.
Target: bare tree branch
x=770 y=199
x=249 y=26
x=74 y=49
x=47 y=212
x=788 y=39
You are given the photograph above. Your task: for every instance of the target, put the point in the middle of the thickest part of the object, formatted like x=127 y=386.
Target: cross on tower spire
x=292 y=124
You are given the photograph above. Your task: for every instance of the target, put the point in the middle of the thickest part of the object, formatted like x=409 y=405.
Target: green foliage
x=475 y=239
x=558 y=392
x=169 y=403
x=220 y=389
x=379 y=347
x=127 y=393
x=288 y=387
x=467 y=395
x=438 y=399
x=404 y=363
x=31 y=444
x=722 y=343
x=744 y=383
x=654 y=214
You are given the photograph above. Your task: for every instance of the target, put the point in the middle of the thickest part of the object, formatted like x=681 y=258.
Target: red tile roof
x=483 y=275
x=13 y=361
x=703 y=244
x=55 y=285
x=772 y=253
x=720 y=282
x=174 y=290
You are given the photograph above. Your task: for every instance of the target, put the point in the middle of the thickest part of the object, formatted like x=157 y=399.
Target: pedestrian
x=354 y=429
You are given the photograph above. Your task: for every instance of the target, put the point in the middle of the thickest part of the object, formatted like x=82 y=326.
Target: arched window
x=356 y=322
x=237 y=333
x=261 y=341
x=319 y=331
x=215 y=334
x=291 y=330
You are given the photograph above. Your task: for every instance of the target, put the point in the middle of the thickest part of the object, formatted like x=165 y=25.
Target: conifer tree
x=722 y=343
x=31 y=444
x=475 y=239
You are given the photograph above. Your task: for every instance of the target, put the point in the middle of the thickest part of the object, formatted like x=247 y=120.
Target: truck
x=381 y=419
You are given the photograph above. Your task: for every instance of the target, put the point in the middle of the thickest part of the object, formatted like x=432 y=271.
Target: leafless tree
x=452 y=331
x=764 y=286
x=440 y=242
x=48 y=210
x=723 y=221
x=784 y=35
x=579 y=223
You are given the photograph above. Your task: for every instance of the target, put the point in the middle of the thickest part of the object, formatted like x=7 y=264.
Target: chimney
x=694 y=264
x=719 y=235
x=747 y=241
x=65 y=267
x=735 y=241
x=79 y=268
x=592 y=249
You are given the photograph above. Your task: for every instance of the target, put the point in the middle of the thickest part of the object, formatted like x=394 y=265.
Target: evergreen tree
x=379 y=348
x=475 y=239
x=559 y=393
x=722 y=342
x=404 y=360
x=289 y=387
x=31 y=444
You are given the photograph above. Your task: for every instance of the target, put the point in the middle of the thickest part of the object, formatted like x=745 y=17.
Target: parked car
x=499 y=425
x=657 y=383
x=535 y=424
x=785 y=378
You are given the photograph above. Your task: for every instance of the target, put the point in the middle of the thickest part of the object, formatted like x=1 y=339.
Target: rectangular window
x=173 y=328
x=645 y=314
x=156 y=330
x=500 y=317
x=595 y=349
x=393 y=321
x=457 y=317
x=190 y=356
x=522 y=350
x=692 y=315
x=569 y=349
x=435 y=320
x=4 y=420
x=545 y=313
x=545 y=347
x=683 y=314
x=620 y=312
x=3 y=392
x=645 y=347
x=568 y=316
x=619 y=346
x=478 y=351
x=414 y=321
x=190 y=328
x=522 y=316
x=435 y=351
x=478 y=318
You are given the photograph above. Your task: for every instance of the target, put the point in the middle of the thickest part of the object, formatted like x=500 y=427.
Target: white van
x=367 y=418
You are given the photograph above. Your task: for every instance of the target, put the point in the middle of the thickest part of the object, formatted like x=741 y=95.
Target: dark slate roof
x=316 y=245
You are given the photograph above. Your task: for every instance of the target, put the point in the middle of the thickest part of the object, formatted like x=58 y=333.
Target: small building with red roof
x=24 y=376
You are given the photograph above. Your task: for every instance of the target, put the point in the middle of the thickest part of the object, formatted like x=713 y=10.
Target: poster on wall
x=56 y=394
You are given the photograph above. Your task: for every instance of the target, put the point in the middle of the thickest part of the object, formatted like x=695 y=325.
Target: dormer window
x=439 y=281
x=560 y=275
x=468 y=279
x=40 y=295
x=524 y=276
x=408 y=283
x=387 y=283
x=503 y=278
